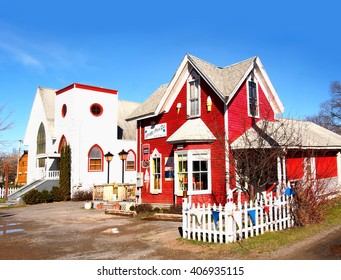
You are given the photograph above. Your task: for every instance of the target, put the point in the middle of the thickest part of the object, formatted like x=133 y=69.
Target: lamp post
x=123 y=155
x=108 y=157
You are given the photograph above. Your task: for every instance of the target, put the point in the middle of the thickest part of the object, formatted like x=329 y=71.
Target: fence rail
x=232 y=222
x=10 y=191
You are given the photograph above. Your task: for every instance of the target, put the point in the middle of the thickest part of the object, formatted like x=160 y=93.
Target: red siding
x=238 y=118
x=239 y=121
x=326 y=167
x=295 y=168
x=215 y=121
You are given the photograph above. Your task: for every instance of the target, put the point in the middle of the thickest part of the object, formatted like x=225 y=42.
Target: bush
x=311 y=203
x=144 y=208
x=34 y=196
x=175 y=209
x=82 y=195
x=56 y=194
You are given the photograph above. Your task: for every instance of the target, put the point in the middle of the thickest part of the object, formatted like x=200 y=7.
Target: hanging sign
x=155 y=131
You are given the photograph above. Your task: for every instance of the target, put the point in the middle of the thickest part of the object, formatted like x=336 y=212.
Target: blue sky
x=135 y=46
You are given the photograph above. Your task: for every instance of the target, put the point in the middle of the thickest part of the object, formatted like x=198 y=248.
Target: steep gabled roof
x=125 y=108
x=225 y=81
x=48 y=97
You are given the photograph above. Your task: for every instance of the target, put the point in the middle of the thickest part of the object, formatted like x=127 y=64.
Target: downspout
x=227 y=149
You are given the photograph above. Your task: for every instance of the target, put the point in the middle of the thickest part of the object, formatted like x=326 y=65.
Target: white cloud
x=20 y=55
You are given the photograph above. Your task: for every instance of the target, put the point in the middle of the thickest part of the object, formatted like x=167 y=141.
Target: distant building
x=21 y=178
x=92 y=121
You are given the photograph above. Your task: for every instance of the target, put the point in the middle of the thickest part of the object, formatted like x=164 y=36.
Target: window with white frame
x=155 y=172
x=253 y=102
x=193 y=95
x=193 y=172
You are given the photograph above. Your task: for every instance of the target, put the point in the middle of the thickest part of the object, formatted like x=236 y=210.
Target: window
x=192 y=171
x=62 y=143
x=64 y=110
x=96 y=109
x=155 y=172
x=130 y=161
x=41 y=144
x=95 y=159
x=253 y=99
x=193 y=96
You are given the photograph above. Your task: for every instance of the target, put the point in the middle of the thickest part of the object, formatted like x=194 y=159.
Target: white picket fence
x=10 y=191
x=232 y=222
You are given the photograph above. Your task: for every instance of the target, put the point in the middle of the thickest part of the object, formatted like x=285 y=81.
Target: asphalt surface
x=67 y=231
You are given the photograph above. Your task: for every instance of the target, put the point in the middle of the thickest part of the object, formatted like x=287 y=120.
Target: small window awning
x=192 y=131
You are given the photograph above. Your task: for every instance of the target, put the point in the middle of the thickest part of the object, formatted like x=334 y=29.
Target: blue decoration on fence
x=252 y=214
x=215 y=215
x=289 y=191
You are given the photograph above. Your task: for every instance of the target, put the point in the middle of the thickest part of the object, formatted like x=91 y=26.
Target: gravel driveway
x=65 y=230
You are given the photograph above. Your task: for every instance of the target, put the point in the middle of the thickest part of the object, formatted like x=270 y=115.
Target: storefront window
x=193 y=172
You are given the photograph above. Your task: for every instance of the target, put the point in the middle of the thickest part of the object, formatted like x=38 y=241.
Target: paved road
x=65 y=230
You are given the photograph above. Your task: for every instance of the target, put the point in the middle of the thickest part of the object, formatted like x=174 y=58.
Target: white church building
x=92 y=121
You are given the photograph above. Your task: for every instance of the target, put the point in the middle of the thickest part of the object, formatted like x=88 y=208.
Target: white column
x=338 y=160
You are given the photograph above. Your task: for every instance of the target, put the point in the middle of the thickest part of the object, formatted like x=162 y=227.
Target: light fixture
x=209 y=104
x=108 y=157
x=178 y=107
x=123 y=156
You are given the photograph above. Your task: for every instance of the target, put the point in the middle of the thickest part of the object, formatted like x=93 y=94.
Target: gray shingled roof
x=125 y=108
x=222 y=79
x=48 y=96
x=148 y=107
x=225 y=79
x=193 y=130
x=288 y=133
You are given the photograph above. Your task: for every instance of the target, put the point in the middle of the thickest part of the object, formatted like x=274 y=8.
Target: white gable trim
x=178 y=80
x=266 y=84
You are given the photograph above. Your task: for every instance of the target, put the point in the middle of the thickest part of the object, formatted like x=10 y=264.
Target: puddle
x=7 y=228
x=8 y=231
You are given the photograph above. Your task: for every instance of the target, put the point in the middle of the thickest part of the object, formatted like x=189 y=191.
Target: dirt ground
x=67 y=231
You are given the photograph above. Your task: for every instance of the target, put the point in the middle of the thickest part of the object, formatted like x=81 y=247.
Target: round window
x=64 y=110
x=96 y=109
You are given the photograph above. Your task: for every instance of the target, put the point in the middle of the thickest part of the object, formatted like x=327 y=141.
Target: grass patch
x=2 y=200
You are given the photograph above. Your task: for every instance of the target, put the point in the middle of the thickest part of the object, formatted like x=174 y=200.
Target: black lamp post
x=108 y=157
x=123 y=155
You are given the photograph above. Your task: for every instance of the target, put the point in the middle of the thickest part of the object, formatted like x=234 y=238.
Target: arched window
x=95 y=159
x=62 y=143
x=41 y=144
x=131 y=161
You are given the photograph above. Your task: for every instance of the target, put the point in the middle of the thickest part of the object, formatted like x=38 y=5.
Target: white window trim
x=191 y=155
x=193 y=77
x=155 y=154
x=248 y=97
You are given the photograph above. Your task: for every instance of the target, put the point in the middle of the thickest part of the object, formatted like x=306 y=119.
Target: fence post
x=229 y=226
x=184 y=218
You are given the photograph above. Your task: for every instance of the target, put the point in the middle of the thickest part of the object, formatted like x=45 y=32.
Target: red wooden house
x=187 y=129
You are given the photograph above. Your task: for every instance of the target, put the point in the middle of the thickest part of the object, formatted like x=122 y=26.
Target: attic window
x=253 y=99
x=193 y=96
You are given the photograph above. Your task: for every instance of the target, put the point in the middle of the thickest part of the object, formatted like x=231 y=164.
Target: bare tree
x=5 y=123
x=329 y=115
x=256 y=155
